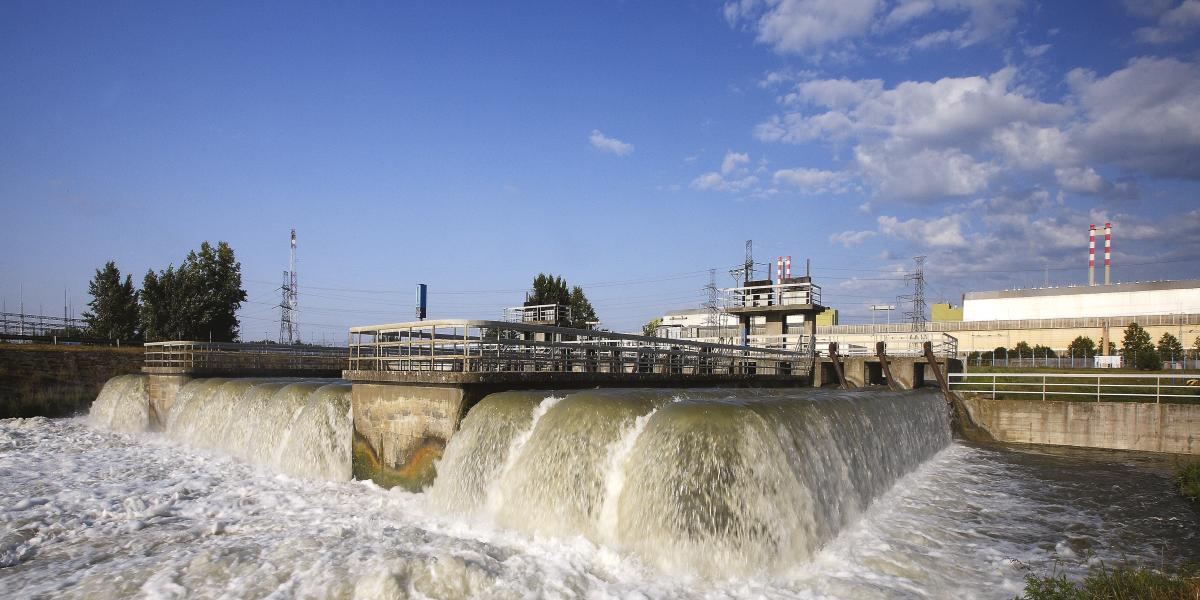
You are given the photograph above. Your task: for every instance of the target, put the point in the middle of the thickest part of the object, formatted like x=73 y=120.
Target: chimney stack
x=787 y=267
x=778 y=270
x=1092 y=255
x=1107 y=252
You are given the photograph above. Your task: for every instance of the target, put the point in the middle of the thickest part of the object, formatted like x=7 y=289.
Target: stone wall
x=1171 y=428
x=58 y=381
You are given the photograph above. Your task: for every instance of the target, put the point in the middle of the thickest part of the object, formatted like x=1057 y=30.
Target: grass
x=1187 y=480
x=1117 y=583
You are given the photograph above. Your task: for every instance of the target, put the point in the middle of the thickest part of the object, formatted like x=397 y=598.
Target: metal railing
x=473 y=346
x=1159 y=320
x=237 y=356
x=541 y=313
x=1181 y=363
x=898 y=344
x=774 y=294
x=1080 y=386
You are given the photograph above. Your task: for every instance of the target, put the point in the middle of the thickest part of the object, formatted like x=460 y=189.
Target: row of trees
x=198 y=300
x=1137 y=349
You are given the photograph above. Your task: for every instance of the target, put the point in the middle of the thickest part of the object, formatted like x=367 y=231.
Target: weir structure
x=412 y=383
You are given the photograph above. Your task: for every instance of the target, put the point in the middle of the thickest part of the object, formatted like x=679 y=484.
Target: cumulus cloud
x=811 y=180
x=1174 y=24
x=942 y=232
x=733 y=161
x=608 y=144
x=814 y=27
x=1142 y=116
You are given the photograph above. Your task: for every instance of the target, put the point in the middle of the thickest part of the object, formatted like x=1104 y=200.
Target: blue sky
x=629 y=146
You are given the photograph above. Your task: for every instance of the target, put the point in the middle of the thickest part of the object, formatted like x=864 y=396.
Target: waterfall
x=715 y=482
x=301 y=428
x=123 y=405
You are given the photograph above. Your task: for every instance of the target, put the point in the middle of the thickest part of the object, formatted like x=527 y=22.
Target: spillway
x=718 y=482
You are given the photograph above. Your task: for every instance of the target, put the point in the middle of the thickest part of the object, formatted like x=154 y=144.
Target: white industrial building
x=1115 y=300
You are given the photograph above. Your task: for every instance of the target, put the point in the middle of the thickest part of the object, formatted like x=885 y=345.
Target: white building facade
x=1116 y=300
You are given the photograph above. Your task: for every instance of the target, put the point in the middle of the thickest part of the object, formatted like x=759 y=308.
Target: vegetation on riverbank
x=1116 y=583
x=1187 y=481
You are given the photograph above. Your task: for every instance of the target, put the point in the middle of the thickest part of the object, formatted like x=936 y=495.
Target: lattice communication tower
x=917 y=278
x=289 y=327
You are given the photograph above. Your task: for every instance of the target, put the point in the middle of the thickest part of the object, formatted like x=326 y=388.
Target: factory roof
x=1147 y=286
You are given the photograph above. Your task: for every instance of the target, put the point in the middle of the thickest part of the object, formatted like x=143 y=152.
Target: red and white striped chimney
x=778 y=270
x=787 y=267
x=1092 y=255
x=1107 y=252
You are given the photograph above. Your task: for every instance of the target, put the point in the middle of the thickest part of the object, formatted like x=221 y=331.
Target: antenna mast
x=289 y=328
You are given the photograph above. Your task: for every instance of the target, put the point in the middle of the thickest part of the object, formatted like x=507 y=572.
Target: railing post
x=1097 y=388
x=1043 y=388
x=1157 y=388
x=993 y=386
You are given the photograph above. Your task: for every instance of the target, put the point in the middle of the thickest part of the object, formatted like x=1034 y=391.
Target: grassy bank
x=1119 y=583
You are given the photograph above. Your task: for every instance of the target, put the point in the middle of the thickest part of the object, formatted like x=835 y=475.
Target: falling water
x=720 y=483
x=123 y=405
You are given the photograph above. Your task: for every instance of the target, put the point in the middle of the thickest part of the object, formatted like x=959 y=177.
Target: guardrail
x=1080 y=386
x=773 y=294
x=898 y=344
x=493 y=346
x=237 y=356
x=1159 y=320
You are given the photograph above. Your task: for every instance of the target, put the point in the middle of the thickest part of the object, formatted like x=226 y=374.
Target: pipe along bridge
x=413 y=382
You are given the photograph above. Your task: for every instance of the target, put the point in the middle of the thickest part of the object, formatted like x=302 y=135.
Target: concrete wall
x=1172 y=428
x=162 y=390
x=401 y=430
x=58 y=381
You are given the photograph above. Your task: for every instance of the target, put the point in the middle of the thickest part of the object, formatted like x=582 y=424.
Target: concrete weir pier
x=414 y=382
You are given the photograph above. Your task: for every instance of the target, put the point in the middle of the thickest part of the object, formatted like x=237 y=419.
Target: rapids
x=603 y=494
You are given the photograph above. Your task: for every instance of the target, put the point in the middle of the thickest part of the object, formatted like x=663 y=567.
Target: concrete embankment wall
x=1145 y=427
x=58 y=381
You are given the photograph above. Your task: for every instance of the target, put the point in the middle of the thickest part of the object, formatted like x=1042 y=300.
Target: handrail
x=184 y=354
x=1097 y=385
x=488 y=346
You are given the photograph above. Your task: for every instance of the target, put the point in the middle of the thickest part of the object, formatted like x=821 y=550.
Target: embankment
x=1140 y=426
x=58 y=381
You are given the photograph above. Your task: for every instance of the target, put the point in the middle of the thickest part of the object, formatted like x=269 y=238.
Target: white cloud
x=1174 y=25
x=943 y=232
x=852 y=238
x=811 y=180
x=1143 y=116
x=984 y=19
x=714 y=181
x=608 y=144
x=926 y=175
x=733 y=161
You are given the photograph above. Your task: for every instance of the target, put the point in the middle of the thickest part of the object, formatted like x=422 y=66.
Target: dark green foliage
x=1040 y=351
x=1021 y=350
x=1196 y=348
x=1082 y=346
x=1119 y=583
x=973 y=357
x=197 y=301
x=1148 y=360
x=1135 y=342
x=552 y=289
x=1187 y=479
x=114 y=313
x=1169 y=347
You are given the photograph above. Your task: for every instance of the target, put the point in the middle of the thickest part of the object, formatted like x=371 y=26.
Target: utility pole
x=917 y=314
x=745 y=273
x=710 y=303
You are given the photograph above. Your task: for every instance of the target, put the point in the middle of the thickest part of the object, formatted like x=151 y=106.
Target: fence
x=1025 y=324
x=493 y=346
x=1182 y=363
x=235 y=356
x=33 y=327
x=898 y=344
x=1109 y=387
x=773 y=294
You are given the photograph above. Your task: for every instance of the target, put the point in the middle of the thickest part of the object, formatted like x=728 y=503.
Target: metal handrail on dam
x=474 y=346
x=238 y=356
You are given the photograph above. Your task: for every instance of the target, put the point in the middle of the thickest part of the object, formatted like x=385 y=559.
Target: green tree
x=1148 y=360
x=114 y=305
x=1021 y=350
x=1040 y=351
x=1169 y=347
x=1196 y=348
x=1136 y=341
x=197 y=301
x=553 y=289
x=1082 y=346
x=651 y=326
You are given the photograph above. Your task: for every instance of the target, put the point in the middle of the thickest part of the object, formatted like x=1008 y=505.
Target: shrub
x=1115 y=583
x=1148 y=360
x=1187 y=479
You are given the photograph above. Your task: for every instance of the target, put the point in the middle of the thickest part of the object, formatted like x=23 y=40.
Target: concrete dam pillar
x=400 y=430
x=162 y=390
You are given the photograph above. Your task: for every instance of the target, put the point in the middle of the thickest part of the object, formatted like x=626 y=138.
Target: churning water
x=605 y=494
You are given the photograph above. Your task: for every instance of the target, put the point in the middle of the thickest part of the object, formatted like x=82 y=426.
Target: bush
x=1148 y=360
x=1187 y=479
x=1115 y=583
